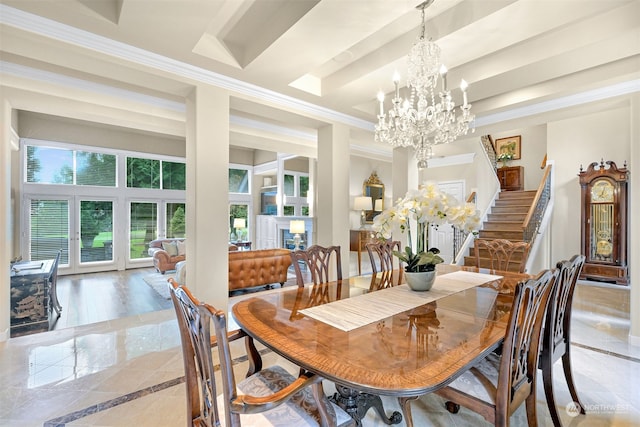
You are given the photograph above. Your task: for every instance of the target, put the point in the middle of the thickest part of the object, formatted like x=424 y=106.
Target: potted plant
x=419 y=209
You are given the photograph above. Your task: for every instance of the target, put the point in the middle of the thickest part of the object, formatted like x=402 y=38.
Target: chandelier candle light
x=419 y=121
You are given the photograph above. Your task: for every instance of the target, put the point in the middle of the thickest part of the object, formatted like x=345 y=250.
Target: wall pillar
x=5 y=217
x=333 y=190
x=207 y=139
x=634 y=206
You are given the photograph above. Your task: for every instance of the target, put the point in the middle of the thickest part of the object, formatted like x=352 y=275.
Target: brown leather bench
x=263 y=267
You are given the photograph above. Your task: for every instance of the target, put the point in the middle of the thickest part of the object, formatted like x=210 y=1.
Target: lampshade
x=378 y=205
x=239 y=223
x=363 y=203
x=296 y=227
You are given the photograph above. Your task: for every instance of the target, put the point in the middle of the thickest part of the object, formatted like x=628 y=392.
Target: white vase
x=420 y=281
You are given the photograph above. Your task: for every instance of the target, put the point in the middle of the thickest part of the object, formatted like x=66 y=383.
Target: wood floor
x=98 y=297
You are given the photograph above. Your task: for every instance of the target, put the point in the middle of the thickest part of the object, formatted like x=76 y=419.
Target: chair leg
x=566 y=366
x=405 y=404
x=532 y=416
x=547 y=380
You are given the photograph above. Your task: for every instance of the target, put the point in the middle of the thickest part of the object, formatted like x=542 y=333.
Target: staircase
x=504 y=222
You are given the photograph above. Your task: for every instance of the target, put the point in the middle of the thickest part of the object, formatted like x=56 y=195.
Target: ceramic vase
x=420 y=281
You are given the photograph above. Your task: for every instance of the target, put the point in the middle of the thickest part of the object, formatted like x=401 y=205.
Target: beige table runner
x=352 y=313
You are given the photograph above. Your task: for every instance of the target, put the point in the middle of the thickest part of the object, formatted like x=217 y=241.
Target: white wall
x=578 y=142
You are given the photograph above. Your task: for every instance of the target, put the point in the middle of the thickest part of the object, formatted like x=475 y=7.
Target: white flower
x=424 y=206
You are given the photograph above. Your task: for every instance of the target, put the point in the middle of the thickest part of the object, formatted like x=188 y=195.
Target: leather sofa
x=164 y=260
x=262 y=267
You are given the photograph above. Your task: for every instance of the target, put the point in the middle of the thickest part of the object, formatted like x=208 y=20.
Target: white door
x=442 y=236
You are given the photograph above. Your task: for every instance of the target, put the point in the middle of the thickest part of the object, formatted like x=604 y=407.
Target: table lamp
x=362 y=204
x=239 y=223
x=296 y=227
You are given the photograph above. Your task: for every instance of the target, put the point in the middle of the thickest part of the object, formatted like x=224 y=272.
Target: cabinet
x=357 y=241
x=604 y=195
x=511 y=178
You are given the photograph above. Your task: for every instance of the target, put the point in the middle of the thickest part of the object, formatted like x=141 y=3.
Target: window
x=143 y=217
x=239 y=181
x=95 y=169
x=47 y=165
x=176 y=220
x=174 y=176
x=143 y=173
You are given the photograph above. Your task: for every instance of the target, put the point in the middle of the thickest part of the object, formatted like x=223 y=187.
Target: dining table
x=389 y=342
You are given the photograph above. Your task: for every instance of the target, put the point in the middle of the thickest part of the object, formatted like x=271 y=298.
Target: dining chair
x=497 y=385
x=505 y=255
x=266 y=397
x=53 y=285
x=556 y=334
x=382 y=263
x=317 y=260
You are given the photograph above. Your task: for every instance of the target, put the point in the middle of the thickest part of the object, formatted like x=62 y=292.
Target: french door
x=82 y=227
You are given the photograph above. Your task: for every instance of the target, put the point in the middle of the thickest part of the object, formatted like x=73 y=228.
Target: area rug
x=158 y=283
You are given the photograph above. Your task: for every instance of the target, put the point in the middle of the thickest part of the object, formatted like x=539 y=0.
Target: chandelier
x=418 y=121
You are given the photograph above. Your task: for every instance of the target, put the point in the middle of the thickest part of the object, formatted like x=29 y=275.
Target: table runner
x=352 y=313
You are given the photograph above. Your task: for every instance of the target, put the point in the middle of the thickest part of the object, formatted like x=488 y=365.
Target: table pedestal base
x=356 y=404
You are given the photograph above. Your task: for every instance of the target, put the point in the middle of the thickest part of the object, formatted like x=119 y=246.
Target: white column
x=5 y=217
x=208 y=195
x=333 y=190
x=634 y=206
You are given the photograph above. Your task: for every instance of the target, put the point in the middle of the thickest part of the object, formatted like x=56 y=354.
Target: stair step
x=517 y=194
x=502 y=226
x=508 y=216
x=510 y=209
x=509 y=235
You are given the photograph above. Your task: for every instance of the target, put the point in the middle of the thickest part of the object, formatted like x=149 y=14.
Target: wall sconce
x=362 y=204
x=296 y=227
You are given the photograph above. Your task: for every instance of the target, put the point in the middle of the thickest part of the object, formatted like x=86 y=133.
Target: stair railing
x=490 y=149
x=536 y=212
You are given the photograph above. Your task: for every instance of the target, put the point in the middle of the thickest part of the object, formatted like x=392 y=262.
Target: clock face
x=602 y=191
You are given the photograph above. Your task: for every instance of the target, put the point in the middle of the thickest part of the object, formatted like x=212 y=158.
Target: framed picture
x=509 y=145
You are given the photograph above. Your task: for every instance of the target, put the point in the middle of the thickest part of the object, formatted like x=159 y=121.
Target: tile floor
x=128 y=371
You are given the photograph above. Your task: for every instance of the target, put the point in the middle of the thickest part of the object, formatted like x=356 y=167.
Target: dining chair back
x=499 y=384
x=53 y=285
x=556 y=335
x=266 y=397
x=505 y=255
x=383 y=265
x=317 y=260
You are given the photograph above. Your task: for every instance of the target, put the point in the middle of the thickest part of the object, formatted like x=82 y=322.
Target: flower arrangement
x=420 y=209
x=505 y=157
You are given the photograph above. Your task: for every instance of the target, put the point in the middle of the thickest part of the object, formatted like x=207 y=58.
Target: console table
x=357 y=240
x=511 y=178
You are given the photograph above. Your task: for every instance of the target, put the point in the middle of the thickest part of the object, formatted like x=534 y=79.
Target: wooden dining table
x=367 y=353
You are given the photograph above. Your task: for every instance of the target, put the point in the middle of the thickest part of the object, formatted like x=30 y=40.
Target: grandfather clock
x=604 y=230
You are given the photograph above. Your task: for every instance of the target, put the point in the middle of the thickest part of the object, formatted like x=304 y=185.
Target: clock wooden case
x=604 y=229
